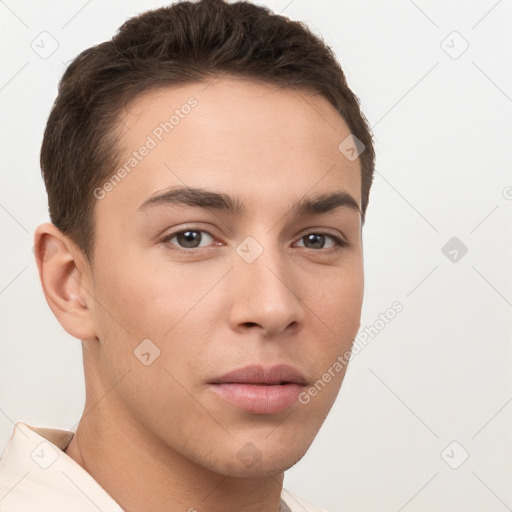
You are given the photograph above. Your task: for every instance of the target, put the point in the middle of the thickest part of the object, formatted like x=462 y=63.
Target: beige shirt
x=36 y=475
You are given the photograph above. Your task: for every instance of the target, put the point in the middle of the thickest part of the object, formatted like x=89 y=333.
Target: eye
x=188 y=238
x=317 y=241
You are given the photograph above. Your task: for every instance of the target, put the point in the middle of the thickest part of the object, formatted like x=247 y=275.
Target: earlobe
x=64 y=284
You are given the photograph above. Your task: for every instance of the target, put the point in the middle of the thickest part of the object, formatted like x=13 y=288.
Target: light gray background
x=440 y=371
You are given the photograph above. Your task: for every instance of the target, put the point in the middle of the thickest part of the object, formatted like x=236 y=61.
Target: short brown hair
x=184 y=43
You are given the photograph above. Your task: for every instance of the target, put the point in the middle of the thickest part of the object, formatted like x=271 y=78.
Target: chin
x=260 y=459
x=262 y=468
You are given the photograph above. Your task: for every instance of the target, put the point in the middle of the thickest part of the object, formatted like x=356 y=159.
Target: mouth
x=260 y=390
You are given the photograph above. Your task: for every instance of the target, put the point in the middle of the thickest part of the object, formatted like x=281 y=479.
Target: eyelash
x=339 y=242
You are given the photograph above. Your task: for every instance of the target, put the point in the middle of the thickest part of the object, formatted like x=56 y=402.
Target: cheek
x=336 y=314
x=139 y=299
x=341 y=300
x=167 y=306
x=337 y=320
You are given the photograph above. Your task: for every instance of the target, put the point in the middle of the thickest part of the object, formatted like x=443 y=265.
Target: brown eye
x=318 y=240
x=188 y=238
x=314 y=241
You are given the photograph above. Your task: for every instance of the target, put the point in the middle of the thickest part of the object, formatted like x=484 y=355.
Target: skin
x=156 y=437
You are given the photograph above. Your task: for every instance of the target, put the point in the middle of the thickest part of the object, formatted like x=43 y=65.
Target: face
x=226 y=286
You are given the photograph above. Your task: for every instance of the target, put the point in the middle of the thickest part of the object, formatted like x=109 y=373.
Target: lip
x=259 y=389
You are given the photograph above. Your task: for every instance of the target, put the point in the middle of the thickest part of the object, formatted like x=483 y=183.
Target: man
x=208 y=172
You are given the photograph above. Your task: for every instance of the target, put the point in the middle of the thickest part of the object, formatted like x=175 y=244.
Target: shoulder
x=297 y=504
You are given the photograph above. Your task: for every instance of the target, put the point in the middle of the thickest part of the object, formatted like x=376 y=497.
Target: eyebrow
x=201 y=198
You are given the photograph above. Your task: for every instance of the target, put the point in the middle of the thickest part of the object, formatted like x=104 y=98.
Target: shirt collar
x=37 y=474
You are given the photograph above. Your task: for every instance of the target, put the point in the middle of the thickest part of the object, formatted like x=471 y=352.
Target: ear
x=64 y=275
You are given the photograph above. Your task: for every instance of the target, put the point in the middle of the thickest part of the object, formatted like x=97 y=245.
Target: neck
x=142 y=473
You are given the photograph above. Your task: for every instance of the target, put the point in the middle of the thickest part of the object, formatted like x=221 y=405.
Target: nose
x=267 y=295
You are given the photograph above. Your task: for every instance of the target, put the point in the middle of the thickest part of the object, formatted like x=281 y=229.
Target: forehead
x=257 y=140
